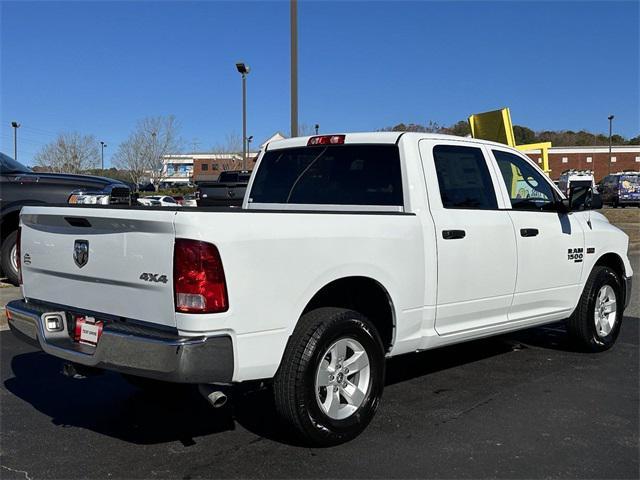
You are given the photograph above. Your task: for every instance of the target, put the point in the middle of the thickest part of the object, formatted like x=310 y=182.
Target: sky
x=99 y=67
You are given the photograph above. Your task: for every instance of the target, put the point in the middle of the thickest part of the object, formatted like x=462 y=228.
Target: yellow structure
x=496 y=126
x=543 y=148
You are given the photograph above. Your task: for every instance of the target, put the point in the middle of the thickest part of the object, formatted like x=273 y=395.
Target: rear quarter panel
x=275 y=263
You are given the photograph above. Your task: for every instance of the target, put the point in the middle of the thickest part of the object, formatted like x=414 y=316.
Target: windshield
x=581 y=183
x=9 y=165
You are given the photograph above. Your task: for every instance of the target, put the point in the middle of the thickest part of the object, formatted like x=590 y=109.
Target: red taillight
x=326 y=140
x=198 y=278
x=18 y=235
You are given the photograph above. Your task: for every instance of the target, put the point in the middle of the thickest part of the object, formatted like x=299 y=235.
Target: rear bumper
x=135 y=350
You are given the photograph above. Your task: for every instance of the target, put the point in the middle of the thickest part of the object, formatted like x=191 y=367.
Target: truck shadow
x=107 y=404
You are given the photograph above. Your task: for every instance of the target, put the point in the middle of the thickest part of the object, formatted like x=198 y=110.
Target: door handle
x=453 y=234
x=529 y=232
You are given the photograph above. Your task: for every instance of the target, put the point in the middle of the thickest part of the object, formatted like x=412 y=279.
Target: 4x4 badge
x=81 y=252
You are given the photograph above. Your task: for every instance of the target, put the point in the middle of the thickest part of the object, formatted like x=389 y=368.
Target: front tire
x=8 y=257
x=331 y=378
x=595 y=324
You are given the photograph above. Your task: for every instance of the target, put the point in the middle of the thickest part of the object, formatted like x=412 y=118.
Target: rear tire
x=595 y=323
x=8 y=257
x=330 y=381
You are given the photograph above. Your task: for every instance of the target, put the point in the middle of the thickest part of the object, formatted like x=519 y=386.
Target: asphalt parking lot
x=523 y=405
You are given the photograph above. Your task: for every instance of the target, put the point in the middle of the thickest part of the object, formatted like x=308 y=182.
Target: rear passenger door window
x=463 y=178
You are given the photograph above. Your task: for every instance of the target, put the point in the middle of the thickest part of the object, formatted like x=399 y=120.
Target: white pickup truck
x=348 y=249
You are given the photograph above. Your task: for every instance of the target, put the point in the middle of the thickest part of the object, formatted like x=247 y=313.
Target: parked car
x=190 y=200
x=20 y=186
x=148 y=202
x=621 y=189
x=570 y=178
x=229 y=190
x=158 y=200
x=146 y=187
x=348 y=249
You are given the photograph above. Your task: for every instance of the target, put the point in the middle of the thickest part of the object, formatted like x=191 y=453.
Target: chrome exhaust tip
x=78 y=372
x=215 y=397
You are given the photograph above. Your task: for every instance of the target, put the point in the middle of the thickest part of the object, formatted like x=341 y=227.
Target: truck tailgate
x=122 y=245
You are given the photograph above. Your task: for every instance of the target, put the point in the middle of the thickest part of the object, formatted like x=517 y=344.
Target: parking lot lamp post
x=153 y=161
x=102 y=147
x=610 y=117
x=244 y=70
x=15 y=126
x=249 y=140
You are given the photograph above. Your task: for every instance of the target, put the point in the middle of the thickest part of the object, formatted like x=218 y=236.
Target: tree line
x=139 y=156
x=522 y=134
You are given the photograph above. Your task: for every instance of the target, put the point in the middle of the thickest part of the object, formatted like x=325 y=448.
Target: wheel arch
x=364 y=295
x=11 y=215
x=10 y=221
x=615 y=263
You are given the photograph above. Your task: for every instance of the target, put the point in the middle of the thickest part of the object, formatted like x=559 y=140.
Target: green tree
x=460 y=129
x=523 y=135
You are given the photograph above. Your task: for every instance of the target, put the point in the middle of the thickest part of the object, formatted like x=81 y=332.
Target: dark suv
x=227 y=191
x=20 y=186
x=620 y=189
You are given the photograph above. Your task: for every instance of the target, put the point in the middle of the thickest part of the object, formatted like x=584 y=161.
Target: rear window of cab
x=330 y=175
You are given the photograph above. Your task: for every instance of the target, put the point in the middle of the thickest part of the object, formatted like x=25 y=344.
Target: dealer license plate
x=88 y=330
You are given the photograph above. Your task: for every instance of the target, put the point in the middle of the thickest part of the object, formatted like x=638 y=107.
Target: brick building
x=184 y=168
x=623 y=158
x=208 y=168
x=187 y=168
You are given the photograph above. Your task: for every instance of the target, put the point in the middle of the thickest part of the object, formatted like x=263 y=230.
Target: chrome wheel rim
x=14 y=257
x=343 y=379
x=605 y=310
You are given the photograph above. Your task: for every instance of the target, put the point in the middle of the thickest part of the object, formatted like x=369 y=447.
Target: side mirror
x=582 y=197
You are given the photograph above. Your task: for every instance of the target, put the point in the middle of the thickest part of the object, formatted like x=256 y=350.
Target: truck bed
x=274 y=262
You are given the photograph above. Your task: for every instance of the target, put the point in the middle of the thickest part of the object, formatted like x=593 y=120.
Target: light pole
x=244 y=71
x=249 y=140
x=153 y=162
x=610 y=117
x=102 y=146
x=294 y=67
x=15 y=126
x=317 y=127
